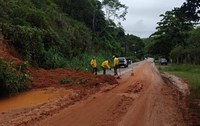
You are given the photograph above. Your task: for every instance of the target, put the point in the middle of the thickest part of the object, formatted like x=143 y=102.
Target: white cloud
x=143 y=15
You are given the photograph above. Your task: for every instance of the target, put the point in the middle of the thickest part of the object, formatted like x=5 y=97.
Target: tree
x=189 y=10
x=135 y=46
x=171 y=31
x=114 y=10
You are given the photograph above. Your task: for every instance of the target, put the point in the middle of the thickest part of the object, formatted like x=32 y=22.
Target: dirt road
x=144 y=99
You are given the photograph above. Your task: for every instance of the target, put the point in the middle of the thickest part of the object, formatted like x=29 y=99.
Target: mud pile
x=48 y=78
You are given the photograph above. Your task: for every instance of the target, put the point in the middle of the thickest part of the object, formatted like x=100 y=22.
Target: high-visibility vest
x=93 y=63
x=105 y=64
x=116 y=61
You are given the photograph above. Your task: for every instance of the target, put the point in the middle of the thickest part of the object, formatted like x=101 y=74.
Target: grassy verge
x=189 y=73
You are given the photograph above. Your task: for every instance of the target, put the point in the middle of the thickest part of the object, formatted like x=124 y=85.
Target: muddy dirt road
x=145 y=99
x=140 y=100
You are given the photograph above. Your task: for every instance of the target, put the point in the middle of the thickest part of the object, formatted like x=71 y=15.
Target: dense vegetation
x=62 y=33
x=12 y=80
x=177 y=36
x=59 y=33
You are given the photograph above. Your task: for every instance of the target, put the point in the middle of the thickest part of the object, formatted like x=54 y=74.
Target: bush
x=11 y=80
x=53 y=59
x=64 y=81
x=47 y=33
x=26 y=40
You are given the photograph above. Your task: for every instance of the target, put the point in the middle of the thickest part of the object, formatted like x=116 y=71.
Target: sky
x=143 y=15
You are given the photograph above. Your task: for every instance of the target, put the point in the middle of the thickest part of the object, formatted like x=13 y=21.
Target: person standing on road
x=105 y=65
x=116 y=64
x=93 y=64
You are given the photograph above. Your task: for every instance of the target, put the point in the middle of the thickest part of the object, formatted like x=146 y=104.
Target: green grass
x=189 y=73
x=65 y=81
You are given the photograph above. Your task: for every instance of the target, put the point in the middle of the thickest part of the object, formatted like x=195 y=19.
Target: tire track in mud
x=125 y=102
x=135 y=88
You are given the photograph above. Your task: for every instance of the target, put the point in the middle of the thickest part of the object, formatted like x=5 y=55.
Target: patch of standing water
x=31 y=98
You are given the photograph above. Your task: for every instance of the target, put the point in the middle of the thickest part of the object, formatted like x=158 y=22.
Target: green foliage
x=114 y=9
x=12 y=81
x=27 y=41
x=53 y=59
x=55 y=33
x=171 y=31
x=189 y=53
x=189 y=10
x=23 y=67
x=176 y=37
x=134 y=47
x=64 y=81
x=82 y=62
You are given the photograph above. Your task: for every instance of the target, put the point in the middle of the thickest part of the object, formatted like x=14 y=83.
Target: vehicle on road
x=163 y=61
x=123 y=62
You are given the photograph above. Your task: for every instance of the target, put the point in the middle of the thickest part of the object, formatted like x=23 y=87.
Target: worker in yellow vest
x=105 y=65
x=93 y=64
x=116 y=64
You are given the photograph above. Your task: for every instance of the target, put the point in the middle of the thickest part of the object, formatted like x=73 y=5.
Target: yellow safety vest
x=105 y=64
x=93 y=63
x=116 y=61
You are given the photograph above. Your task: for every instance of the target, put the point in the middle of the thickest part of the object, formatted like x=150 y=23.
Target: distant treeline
x=178 y=35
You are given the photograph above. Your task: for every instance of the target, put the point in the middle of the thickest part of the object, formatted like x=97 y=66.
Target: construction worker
x=93 y=64
x=116 y=64
x=105 y=65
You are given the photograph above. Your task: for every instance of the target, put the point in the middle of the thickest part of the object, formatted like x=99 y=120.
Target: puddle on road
x=31 y=98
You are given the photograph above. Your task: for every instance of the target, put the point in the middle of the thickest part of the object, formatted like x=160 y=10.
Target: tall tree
x=115 y=10
x=189 y=10
x=171 y=31
x=135 y=46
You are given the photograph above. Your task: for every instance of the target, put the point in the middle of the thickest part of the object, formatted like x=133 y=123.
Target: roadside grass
x=189 y=73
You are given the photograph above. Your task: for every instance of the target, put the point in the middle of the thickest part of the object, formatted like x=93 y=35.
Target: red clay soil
x=6 y=53
x=47 y=78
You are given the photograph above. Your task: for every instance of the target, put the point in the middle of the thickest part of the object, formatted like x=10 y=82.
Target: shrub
x=64 y=81
x=11 y=80
x=53 y=59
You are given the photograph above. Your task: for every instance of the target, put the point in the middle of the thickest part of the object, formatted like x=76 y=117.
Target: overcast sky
x=143 y=15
